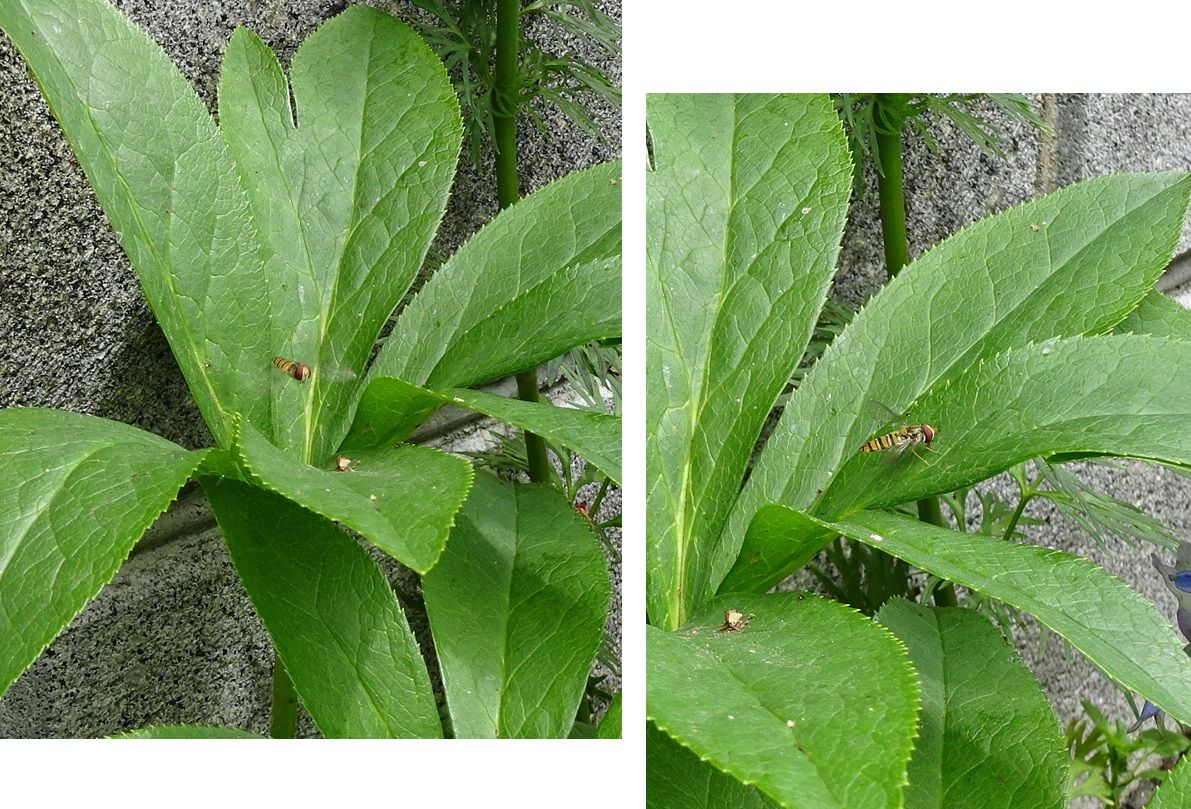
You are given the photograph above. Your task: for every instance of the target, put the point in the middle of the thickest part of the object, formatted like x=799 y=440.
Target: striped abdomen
x=296 y=370
x=901 y=439
x=888 y=441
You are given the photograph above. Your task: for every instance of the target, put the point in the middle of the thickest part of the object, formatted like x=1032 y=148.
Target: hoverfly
x=293 y=369
x=903 y=438
x=328 y=372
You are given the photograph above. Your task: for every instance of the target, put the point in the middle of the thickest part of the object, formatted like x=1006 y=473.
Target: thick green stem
x=535 y=447
x=893 y=200
x=929 y=511
x=504 y=101
x=893 y=234
x=508 y=187
x=284 y=721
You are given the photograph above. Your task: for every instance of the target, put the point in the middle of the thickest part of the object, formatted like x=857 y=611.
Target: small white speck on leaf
x=421 y=164
x=372 y=497
x=805 y=211
x=789 y=723
x=1045 y=351
x=876 y=537
x=730 y=716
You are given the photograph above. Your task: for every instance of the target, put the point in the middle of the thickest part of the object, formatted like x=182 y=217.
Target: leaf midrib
x=313 y=403
x=677 y=593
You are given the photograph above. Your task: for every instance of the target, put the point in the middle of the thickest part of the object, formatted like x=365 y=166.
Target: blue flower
x=1147 y=710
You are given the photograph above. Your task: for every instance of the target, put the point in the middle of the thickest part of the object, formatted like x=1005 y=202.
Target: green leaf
x=333 y=618
x=677 y=779
x=790 y=702
x=774 y=547
x=76 y=493
x=595 y=436
x=1116 y=395
x=554 y=250
x=188 y=732
x=746 y=206
x=532 y=328
x=987 y=735
x=1160 y=316
x=1074 y=262
x=1175 y=792
x=1099 y=514
x=610 y=725
x=1114 y=627
x=391 y=408
x=388 y=412
x=403 y=499
x=517 y=606
x=160 y=170
x=347 y=198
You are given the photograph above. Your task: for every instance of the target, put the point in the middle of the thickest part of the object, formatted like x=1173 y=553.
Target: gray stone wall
x=1093 y=135
x=173 y=638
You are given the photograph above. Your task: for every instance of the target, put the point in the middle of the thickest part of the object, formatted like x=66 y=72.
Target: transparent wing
x=337 y=373
x=883 y=414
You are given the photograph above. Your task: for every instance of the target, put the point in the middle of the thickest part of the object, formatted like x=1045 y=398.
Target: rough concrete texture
x=1094 y=135
x=174 y=639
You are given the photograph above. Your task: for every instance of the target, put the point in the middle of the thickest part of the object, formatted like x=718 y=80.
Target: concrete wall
x=1093 y=135
x=174 y=638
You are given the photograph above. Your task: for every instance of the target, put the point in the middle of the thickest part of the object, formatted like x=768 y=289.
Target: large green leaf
x=390 y=409
x=388 y=412
x=347 y=179
x=1119 y=631
x=1074 y=262
x=773 y=549
x=517 y=606
x=401 y=499
x=76 y=493
x=188 y=732
x=1114 y=395
x=334 y=619
x=579 y=304
x=542 y=269
x=1175 y=792
x=160 y=170
x=677 y=779
x=792 y=702
x=1160 y=316
x=746 y=205
x=987 y=737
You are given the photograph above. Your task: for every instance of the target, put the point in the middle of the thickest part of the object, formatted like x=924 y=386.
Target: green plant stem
x=1027 y=494
x=284 y=717
x=892 y=199
x=598 y=500
x=929 y=511
x=508 y=187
